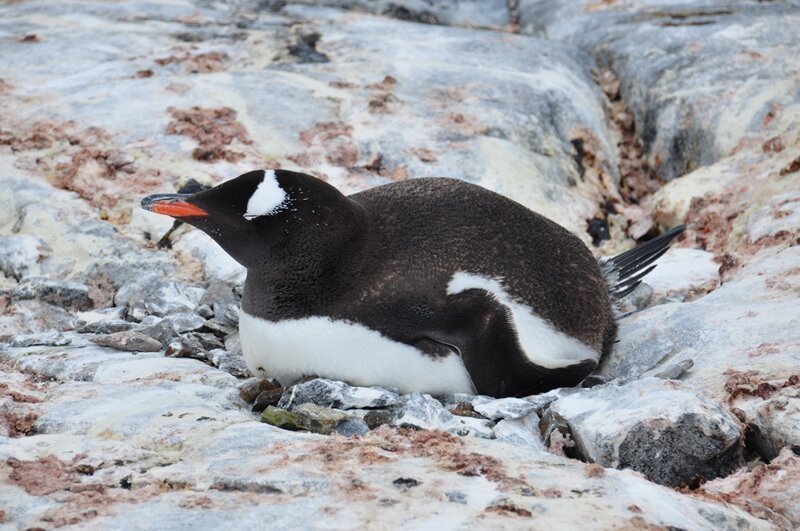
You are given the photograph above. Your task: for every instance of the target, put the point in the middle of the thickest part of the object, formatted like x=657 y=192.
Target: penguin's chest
x=290 y=349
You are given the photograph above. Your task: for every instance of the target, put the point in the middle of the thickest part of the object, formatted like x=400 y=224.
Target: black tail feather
x=625 y=271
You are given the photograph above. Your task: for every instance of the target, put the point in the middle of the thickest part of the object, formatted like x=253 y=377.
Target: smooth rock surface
x=703 y=79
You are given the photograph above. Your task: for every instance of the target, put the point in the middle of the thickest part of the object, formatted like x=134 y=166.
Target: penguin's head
x=266 y=216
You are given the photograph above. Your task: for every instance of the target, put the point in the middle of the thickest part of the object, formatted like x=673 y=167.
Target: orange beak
x=174 y=205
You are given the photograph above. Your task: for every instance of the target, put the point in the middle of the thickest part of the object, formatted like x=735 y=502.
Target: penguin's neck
x=307 y=284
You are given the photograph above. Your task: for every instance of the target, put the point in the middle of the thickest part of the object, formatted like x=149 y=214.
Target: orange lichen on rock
x=41 y=476
x=213 y=129
x=201 y=63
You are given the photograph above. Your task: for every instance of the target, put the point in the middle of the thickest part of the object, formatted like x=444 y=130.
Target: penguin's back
x=440 y=236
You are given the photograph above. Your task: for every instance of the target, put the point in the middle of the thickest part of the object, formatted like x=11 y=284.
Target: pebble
x=54 y=339
x=503 y=408
x=280 y=418
x=186 y=348
x=318 y=419
x=331 y=393
x=252 y=387
x=128 y=341
x=107 y=326
x=63 y=293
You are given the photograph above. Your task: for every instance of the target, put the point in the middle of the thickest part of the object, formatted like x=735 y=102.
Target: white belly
x=319 y=346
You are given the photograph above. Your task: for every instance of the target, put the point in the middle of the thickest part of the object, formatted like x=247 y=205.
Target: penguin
x=433 y=285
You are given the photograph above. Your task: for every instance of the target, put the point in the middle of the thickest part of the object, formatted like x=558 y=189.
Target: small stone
x=543 y=401
x=332 y=393
x=454 y=496
x=465 y=409
x=379 y=417
x=66 y=294
x=406 y=483
x=234 y=365
x=675 y=371
x=185 y=321
x=162 y=330
x=554 y=429
x=502 y=408
x=453 y=399
x=209 y=341
x=205 y=311
x=231 y=313
x=157 y=296
x=269 y=397
x=219 y=327
x=137 y=312
x=53 y=339
x=280 y=418
x=318 y=419
x=423 y=411
x=352 y=426
x=129 y=341
x=186 y=348
x=522 y=432
x=107 y=326
x=252 y=387
x=150 y=320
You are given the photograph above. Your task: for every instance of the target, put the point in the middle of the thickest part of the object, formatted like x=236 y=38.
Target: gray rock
x=66 y=294
x=674 y=372
x=423 y=411
x=106 y=326
x=185 y=321
x=209 y=341
x=339 y=395
x=20 y=255
x=157 y=296
x=184 y=347
x=205 y=311
x=229 y=363
x=252 y=387
x=53 y=338
x=161 y=330
x=219 y=296
x=503 y=408
x=129 y=341
x=318 y=419
x=542 y=401
x=668 y=431
x=222 y=328
x=35 y=317
x=522 y=431
x=352 y=426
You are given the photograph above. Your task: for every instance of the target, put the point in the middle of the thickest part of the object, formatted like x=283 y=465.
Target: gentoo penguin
x=430 y=284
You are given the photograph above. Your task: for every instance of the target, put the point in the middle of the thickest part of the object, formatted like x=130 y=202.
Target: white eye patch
x=268 y=198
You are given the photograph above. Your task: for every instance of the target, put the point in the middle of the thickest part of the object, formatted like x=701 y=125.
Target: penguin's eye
x=268 y=197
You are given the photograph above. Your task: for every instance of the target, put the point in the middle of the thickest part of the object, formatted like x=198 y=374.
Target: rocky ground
x=124 y=401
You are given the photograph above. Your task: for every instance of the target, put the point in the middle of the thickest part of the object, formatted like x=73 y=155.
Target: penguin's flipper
x=475 y=325
x=625 y=271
